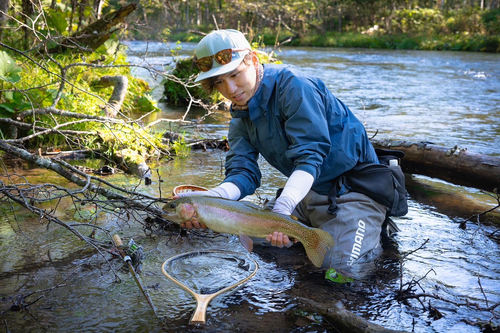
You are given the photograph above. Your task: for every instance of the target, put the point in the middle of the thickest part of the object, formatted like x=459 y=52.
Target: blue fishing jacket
x=295 y=123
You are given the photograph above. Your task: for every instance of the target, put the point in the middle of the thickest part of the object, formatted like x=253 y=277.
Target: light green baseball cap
x=217 y=41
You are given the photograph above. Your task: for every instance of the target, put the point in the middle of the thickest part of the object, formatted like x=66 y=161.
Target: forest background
x=467 y=25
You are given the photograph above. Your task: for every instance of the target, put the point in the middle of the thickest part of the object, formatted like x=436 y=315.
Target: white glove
x=296 y=188
x=225 y=190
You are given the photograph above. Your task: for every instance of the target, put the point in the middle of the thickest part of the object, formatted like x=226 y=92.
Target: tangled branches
x=102 y=196
x=413 y=289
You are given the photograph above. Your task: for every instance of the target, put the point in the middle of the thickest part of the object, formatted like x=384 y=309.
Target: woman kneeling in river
x=305 y=132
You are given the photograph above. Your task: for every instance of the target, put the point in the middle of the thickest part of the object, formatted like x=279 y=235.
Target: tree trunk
x=198 y=13
x=28 y=11
x=98 y=8
x=95 y=34
x=81 y=13
x=340 y=17
x=4 y=8
x=72 y=15
x=456 y=165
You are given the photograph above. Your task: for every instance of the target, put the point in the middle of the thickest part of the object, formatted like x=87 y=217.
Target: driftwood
x=455 y=165
x=132 y=162
x=96 y=33
x=120 y=84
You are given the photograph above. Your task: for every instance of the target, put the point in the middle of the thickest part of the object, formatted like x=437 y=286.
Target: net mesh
x=207 y=272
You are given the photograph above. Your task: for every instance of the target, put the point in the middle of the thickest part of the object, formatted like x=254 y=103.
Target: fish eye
x=172 y=205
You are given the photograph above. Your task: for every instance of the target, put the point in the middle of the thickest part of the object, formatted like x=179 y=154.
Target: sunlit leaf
x=109 y=47
x=9 y=71
x=146 y=103
x=56 y=20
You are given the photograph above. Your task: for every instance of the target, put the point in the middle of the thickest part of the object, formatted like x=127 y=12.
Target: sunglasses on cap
x=222 y=57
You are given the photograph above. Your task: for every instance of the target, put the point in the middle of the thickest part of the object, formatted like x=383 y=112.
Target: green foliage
x=417 y=21
x=38 y=87
x=9 y=71
x=118 y=137
x=491 y=21
x=146 y=103
x=460 y=21
x=180 y=147
x=110 y=48
x=456 y=42
x=177 y=93
x=68 y=82
x=13 y=102
x=56 y=19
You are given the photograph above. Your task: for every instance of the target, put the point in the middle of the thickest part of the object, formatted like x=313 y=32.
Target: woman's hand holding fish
x=278 y=239
x=194 y=224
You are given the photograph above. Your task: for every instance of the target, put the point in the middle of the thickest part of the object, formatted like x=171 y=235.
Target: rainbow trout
x=246 y=220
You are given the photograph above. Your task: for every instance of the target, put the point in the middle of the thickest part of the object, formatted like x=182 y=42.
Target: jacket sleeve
x=241 y=166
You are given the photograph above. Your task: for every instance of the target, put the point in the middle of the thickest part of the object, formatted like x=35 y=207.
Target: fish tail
x=318 y=245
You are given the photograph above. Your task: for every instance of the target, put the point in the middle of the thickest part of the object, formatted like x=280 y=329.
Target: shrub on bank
x=39 y=83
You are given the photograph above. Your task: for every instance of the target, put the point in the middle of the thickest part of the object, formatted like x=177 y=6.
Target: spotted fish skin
x=244 y=218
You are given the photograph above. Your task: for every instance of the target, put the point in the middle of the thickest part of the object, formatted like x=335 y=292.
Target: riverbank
x=373 y=40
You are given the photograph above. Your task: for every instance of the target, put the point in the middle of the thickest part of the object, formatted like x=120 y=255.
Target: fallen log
x=134 y=163
x=455 y=165
x=342 y=319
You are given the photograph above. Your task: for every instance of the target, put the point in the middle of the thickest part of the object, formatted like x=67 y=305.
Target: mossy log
x=181 y=90
x=132 y=162
x=455 y=165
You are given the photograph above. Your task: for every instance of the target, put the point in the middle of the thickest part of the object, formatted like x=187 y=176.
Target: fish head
x=179 y=211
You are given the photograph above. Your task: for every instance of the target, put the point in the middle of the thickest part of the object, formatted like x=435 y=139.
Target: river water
x=449 y=98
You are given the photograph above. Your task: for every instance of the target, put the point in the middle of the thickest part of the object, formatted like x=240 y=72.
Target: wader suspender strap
x=333 y=194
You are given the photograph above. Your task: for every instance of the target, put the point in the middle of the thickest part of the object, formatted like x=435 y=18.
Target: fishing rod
x=126 y=258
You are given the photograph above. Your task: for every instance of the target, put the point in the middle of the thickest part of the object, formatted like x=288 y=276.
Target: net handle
x=202 y=301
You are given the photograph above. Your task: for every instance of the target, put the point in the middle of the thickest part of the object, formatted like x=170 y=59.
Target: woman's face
x=238 y=86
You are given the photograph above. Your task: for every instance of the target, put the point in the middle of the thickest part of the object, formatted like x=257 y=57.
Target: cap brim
x=222 y=69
